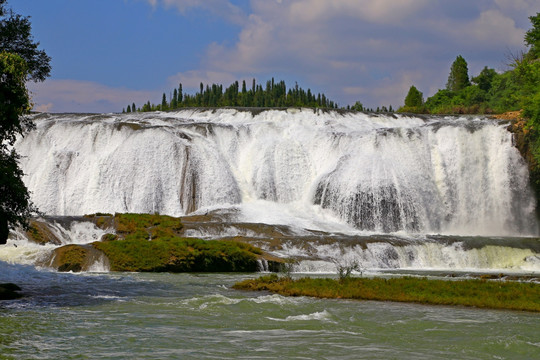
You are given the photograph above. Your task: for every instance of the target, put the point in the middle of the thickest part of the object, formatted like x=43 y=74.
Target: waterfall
x=383 y=191
x=371 y=173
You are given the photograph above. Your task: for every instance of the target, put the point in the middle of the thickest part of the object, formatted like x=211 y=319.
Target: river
x=199 y=316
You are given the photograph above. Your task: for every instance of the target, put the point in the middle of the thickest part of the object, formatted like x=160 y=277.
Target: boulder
x=9 y=291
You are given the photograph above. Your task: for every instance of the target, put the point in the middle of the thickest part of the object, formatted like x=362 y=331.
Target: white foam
x=313 y=169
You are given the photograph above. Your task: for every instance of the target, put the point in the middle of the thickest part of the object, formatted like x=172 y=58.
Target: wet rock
x=40 y=233
x=9 y=291
x=75 y=258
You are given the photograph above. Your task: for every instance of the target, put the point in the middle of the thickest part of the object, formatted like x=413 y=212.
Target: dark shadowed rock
x=9 y=291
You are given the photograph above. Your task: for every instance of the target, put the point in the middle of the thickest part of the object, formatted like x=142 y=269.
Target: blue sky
x=109 y=53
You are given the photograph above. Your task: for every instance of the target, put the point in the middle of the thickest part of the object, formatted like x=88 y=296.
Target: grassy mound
x=179 y=255
x=145 y=242
x=477 y=293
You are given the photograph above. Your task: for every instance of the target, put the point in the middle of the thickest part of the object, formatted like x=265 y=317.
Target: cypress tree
x=180 y=94
x=164 y=102
x=174 y=101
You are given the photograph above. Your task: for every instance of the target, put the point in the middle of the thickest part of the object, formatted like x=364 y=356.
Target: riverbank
x=473 y=293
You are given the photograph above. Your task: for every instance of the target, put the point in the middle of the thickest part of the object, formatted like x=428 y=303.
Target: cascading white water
x=316 y=174
x=373 y=173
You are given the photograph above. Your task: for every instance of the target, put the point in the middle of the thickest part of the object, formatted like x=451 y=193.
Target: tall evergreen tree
x=414 y=98
x=174 y=101
x=180 y=94
x=458 y=78
x=164 y=102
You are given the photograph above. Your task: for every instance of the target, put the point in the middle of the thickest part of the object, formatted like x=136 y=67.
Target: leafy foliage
x=20 y=61
x=532 y=37
x=414 y=97
x=16 y=38
x=15 y=204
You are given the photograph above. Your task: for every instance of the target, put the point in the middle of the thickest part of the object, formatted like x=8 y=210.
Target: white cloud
x=491 y=29
x=43 y=107
x=374 y=49
x=85 y=96
x=380 y=11
x=365 y=50
x=222 y=8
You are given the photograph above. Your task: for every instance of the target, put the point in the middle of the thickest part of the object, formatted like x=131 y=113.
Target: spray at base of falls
x=21 y=248
x=346 y=173
x=311 y=251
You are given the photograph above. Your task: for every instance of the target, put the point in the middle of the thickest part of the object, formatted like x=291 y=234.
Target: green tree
x=357 y=106
x=414 y=98
x=485 y=78
x=15 y=204
x=532 y=37
x=180 y=94
x=164 y=102
x=20 y=62
x=16 y=38
x=174 y=101
x=459 y=75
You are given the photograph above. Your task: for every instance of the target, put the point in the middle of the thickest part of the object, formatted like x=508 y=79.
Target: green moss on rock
x=74 y=258
x=179 y=255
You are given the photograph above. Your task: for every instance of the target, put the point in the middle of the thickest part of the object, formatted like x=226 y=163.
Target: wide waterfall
x=387 y=191
x=374 y=173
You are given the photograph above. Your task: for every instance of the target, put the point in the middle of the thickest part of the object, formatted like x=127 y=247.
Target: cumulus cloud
x=373 y=50
x=84 y=96
x=365 y=50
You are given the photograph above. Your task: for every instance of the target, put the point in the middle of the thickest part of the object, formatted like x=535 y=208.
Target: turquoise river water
x=199 y=316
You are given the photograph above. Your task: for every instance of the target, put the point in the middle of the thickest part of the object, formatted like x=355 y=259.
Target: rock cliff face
x=526 y=145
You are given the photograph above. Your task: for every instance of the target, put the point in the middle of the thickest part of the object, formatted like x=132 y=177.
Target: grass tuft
x=477 y=293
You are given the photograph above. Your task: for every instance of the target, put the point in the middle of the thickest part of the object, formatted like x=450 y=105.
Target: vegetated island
x=146 y=243
x=492 y=294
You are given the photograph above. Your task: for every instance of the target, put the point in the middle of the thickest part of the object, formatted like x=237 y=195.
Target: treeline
x=489 y=91
x=273 y=94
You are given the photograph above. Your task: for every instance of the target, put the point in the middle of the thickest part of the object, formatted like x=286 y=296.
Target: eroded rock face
x=76 y=258
x=40 y=233
x=525 y=144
